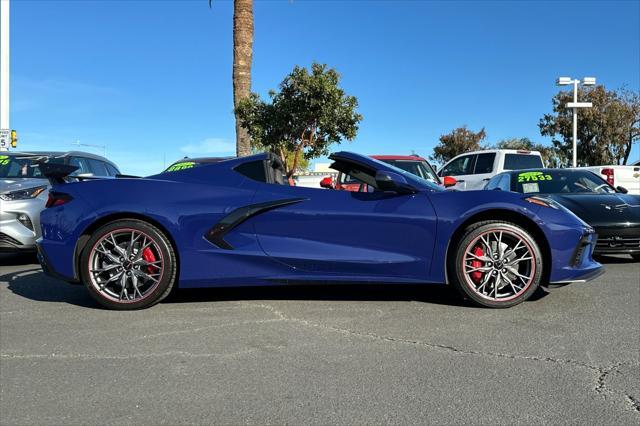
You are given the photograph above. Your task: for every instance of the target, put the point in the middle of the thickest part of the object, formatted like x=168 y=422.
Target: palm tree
x=242 y=58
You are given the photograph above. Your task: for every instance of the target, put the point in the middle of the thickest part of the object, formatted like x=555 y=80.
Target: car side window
x=460 y=166
x=81 y=164
x=112 y=170
x=494 y=182
x=505 y=183
x=352 y=174
x=484 y=163
x=98 y=167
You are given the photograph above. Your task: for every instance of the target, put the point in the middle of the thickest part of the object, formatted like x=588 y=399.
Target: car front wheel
x=128 y=264
x=496 y=264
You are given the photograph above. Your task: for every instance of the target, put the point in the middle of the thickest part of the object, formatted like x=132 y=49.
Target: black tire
x=160 y=279
x=502 y=269
x=636 y=257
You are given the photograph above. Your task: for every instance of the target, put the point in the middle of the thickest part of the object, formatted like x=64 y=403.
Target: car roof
x=506 y=151
x=203 y=159
x=544 y=170
x=61 y=153
x=398 y=157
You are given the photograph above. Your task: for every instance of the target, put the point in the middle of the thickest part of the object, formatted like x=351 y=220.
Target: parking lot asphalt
x=319 y=355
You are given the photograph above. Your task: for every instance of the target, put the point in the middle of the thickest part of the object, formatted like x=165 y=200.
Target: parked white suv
x=627 y=177
x=473 y=170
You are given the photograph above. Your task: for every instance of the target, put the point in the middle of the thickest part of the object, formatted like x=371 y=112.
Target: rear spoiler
x=56 y=173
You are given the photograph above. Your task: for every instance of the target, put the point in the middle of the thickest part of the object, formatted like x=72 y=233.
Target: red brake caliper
x=476 y=276
x=148 y=256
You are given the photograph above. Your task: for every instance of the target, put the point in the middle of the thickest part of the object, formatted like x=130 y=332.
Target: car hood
x=11 y=184
x=603 y=209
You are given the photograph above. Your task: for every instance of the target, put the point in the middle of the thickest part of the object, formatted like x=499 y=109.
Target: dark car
x=613 y=213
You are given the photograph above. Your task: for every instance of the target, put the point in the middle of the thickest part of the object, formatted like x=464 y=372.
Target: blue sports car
x=238 y=223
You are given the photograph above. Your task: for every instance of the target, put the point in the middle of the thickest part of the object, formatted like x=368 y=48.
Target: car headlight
x=23 y=194
x=544 y=202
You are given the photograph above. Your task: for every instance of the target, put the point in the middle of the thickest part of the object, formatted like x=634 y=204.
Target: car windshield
x=560 y=182
x=16 y=166
x=410 y=177
x=419 y=168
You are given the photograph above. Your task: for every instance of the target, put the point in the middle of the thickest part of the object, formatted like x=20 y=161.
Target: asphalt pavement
x=319 y=355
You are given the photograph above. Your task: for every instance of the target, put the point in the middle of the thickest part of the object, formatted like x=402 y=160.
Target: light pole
x=104 y=147
x=4 y=71
x=587 y=81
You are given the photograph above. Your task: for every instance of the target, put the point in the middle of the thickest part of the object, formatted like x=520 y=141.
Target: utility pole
x=565 y=81
x=5 y=130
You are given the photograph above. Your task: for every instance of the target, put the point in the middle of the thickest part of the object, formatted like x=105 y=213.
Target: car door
x=461 y=168
x=483 y=169
x=363 y=235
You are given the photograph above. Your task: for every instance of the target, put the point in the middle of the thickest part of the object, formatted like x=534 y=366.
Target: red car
x=410 y=163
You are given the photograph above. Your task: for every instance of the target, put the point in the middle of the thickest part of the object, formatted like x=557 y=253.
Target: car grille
x=7 y=240
x=618 y=242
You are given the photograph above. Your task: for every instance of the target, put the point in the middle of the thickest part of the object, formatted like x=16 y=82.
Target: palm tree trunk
x=242 y=58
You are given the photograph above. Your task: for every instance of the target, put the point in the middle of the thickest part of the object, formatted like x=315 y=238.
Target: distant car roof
x=61 y=153
x=398 y=157
x=203 y=159
x=506 y=151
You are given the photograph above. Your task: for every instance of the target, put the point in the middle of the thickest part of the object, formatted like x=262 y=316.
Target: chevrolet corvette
x=130 y=241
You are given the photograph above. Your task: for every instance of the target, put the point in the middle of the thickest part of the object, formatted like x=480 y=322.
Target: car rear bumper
x=47 y=266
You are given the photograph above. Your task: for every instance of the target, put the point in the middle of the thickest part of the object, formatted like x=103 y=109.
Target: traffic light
x=14 y=139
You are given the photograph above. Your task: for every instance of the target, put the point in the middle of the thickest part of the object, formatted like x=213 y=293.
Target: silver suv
x=24 y=192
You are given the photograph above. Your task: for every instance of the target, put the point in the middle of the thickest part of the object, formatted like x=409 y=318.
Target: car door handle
x=485 y=179
x=460 y=180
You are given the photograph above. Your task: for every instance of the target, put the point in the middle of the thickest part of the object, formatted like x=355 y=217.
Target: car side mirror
x=393 y=182
x=449 y=181
x=622 y=189
x=327 y=182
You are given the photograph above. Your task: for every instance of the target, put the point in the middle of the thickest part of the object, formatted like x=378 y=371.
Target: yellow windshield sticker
x=4 y=160
x=533 y=177
x=181 y=166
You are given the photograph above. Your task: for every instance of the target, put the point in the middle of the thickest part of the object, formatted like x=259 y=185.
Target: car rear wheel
x=128 y=264
x=496 y=264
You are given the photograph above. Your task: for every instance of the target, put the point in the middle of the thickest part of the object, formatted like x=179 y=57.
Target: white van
x=473 y=170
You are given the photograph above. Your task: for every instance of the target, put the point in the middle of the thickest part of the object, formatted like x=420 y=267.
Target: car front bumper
x=618 y=240
x=581 y=265
x=20 y=235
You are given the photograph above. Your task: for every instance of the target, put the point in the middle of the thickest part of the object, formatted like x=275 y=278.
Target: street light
x=104 y=147
x=565 y=81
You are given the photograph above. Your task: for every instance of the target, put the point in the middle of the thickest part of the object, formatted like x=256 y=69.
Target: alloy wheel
x=125 y=265
x=499 y=265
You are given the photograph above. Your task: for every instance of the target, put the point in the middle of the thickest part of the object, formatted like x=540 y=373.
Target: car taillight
x=57 y=199
x=609 y=174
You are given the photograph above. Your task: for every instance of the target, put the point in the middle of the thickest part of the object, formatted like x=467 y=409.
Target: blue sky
x=151 y=80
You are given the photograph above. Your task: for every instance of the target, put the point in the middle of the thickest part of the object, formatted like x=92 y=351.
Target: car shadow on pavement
x=32 y=283
x=620 y=259
x=432 y=294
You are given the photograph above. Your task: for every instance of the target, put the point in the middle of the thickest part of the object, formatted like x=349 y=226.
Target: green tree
x=308 y=114
x=457 y=142
x=242 y=59
x=606 y=132
x=552 y=157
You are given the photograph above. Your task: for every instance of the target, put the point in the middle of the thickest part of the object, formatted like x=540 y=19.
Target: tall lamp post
x=587 y=81
x=4 y=74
